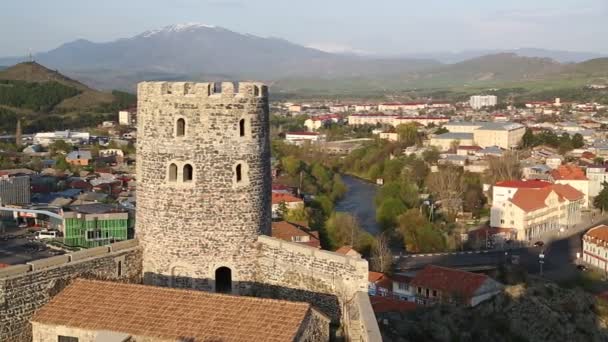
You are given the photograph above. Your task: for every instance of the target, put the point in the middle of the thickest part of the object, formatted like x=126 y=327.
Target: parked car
x=539 y=244
x=48 y=234
x=23 y=225
x=581 y=267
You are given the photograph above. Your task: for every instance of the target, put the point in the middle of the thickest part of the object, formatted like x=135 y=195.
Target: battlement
x=85 y=254
x=203 y=90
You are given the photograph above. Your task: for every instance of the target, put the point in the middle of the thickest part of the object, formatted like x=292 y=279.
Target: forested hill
x=46 y=100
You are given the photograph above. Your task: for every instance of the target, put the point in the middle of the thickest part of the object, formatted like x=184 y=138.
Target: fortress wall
x=25 y=288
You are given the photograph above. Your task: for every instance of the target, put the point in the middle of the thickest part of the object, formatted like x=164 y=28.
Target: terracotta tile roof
x=568 y=192
x=449 y=280
x=520 y=184
x=568 y=172
x=345 y=249
x=530 y=199
x=280 y=197
x=382 y=304
x=381 y=280
x=172 y=314
x=286 y=231
x=599 y=232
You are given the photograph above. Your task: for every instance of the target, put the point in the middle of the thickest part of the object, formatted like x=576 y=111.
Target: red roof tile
x=381 y=280
x=449 y=280
x=530 y=199
x=568 y=172
x=287 y=231
x=280 y=197
x=345 y=249
x=382 y=304
x=568 y=192
x=599 y=232
x=171 y=314
x=532 y=184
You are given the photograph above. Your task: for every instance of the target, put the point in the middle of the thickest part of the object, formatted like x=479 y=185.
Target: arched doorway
x=223 y=280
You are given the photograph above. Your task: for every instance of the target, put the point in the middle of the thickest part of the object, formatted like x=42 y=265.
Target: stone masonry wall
x=25 y=288
x=190 y=229
x=296 y=272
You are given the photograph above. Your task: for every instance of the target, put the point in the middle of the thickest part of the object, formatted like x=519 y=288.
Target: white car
x=46 y=235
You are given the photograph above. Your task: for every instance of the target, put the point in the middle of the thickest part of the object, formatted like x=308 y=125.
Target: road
x=559 y=251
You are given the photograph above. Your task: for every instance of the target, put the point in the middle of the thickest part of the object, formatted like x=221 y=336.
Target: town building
x=435 y=284
x=298 y=233
x=446 y=141
x=480 y=101
x=291 y=203
x=14 y=190
x=91 y=311
x=365 y=107
x=595 y=248
x=597 y=175
x=300 y=137
x=394 y=120
x=47 y=138
x=533 y=211
x=505 y=135
x=574 y=176
x=505 y=190
x=127 y=117
x=349 y=251
x=316 y=122
x=93 y=225
x=79 y=158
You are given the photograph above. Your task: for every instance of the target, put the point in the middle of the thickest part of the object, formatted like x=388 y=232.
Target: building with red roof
x=574 y=176
x=435 y=284
x=379 y=284
x=532 y=211
x=294 y=232
x=382 y=305
x=505 y=190
x=348 y=251
x=595 y=247
x=291 y=203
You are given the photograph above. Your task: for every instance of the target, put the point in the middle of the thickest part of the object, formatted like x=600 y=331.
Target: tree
x=578 y=141
x=454 y=145
x=601 y=200
x=60 y=146
x=431 y=155
x=388 y=211
x=296 y=214
x=448 y=185
x=502 y=168
x=382 y=258
x=418 y=234
x=291 y=165
x=528 y=140
x=441 y=130
x=282 y=209
x=343 y=229
x=408 y=134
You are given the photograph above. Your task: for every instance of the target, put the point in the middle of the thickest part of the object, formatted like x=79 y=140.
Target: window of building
x=512 y=222
x=172 y=173
x=188 y=173
x=62 y=338
x=427 y=292
x=403 y=286
x=239 y=173
x=502 y=221
x=419 y=290
x=180 y=129
x=296 y=239
x=434 y=293
x=256 y=91
x=242 y=127
x=119 y=268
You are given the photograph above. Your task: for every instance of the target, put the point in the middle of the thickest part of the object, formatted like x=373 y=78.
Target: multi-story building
x=597 y=175
x=371 y=119
x=446 y=141
x=365 y=107
x=14 y=190
x=316 y=122
x=127 y=117
x=505 y=190
x=532 y=212
x=93 y=225
x=573 y=176
x=595 y=247
x=296 y=137
x=502 y=134
x=480 y=101
x=47 y=138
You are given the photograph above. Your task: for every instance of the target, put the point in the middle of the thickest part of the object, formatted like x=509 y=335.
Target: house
x=464 y=150
x=505 y=190
x=595 y=247
x=597 y=175
x=384 y=305
x=348 y=251
x=554 y=161
x=573 y=176
x=295 y=137
x=402 y=288
x=293 y=232
x=91 y=310
x=435 y=284
x=79 y=158
x=379 y=284
x=534 y=211
x=319 y=121
x=291 y=202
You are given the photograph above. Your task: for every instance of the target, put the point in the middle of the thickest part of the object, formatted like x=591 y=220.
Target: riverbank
x=359 y=202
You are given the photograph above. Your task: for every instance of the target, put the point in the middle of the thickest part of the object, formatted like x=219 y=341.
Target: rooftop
x=281 y=197
x=599 y=232
x=172 y=314
x=520 y=184
x=449 y=280
x=568 y=172
x=450 y=135
x=287 y=231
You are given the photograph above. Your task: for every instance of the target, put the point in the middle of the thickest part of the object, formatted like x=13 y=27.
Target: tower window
x=239 y=173
x=119 y=268
x=242 y=127
x=180 y=129
x=188 y=173
x=172 y=173
x=256 y=91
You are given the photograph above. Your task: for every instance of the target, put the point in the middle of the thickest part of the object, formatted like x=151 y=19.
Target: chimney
x=18 y=133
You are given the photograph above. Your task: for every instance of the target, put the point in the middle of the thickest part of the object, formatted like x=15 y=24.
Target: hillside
x=33 y=72
x=536 y=312
x=45 y=100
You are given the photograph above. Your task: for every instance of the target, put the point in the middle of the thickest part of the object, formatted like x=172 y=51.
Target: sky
x=381 y=27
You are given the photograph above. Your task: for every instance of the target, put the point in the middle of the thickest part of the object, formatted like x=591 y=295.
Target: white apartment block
x=126 y=118
x=480 y=101
x=506 y=135
x=394 y=120
x=597 y=175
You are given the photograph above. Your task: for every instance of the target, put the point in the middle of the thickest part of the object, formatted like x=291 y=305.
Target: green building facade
x=94 y=229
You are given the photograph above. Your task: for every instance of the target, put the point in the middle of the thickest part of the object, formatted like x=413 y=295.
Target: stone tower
x=204 y=184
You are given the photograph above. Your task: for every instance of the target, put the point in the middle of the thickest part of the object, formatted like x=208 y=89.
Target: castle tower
x=203 y=182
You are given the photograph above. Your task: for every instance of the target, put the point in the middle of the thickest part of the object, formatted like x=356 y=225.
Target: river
x=359 y=202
